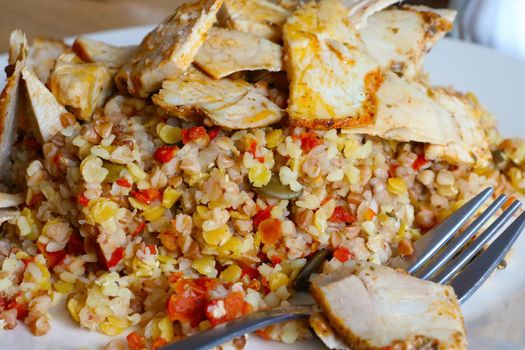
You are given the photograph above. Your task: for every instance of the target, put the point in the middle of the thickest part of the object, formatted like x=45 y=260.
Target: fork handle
x=222 y=333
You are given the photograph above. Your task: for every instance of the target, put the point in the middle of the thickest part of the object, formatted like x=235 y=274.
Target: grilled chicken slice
x=168 y=49
x=372 y=306
x=400 y=37
x=228 y=51
x=8 y=200
x=79 y=86
x=335 y=83
x=43 y=53
x=8 y=214
x=98 y=51
x=10 y=99
x=231 y=104
x=407 y=114
x=473 y=146
x=259 y=17
x=360 y=10
x=333 y=80
x=47 y=110
x=326 y=333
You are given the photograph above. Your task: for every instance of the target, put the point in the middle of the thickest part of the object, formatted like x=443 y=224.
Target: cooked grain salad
x=154 y=218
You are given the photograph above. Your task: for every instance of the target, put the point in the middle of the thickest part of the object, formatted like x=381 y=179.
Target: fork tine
x=433 y=240
x=473 y=276
x=466 y=255
x=457 y=243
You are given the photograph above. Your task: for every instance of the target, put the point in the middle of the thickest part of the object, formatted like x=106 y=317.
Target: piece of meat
x=326 y=333
x=405 y=113
x=258 y=17
x=168 y=49
x=228 y=51
x=11 y=200
x=473 y=147
x=80 y=86
x=98 y=51
x=361 y=10
x=400 y=37
x=10 y=100
x=333 y=80
x=43 y=53
x=8 y=214
x=47 y=110
x=372 y=307
x=232 y=104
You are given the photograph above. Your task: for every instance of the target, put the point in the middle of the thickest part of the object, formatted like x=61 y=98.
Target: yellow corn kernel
x=137 y=173
x=103 y=210
x=415 y=234
x=153 y=213
x=234 y=245
x=231 y=274
x=170 y=197
x=170 y=134
x=205 y=266
x=92 y=170
x=27 y=225
x=63 y=287
x=278 y=280
x=448 y=191
x=218 y=236
x=458 y=204
x=166 y=329
x=114 y=325
x=237 y=215
x=396 y=185
x=274 y=137
x=74 y=307
x=401 y=233
x=259 y=175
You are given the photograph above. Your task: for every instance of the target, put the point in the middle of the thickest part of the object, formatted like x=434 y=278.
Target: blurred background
x=495 y=23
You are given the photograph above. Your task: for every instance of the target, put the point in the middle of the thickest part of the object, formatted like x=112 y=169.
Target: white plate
x=496 y=314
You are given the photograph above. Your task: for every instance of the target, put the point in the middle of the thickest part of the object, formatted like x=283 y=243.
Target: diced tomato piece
x=270 y=230
x=309 y=140
x=152 y=248
x=235 y=307
x=146 y=196
x=123 y=182
x=342 y=254
x=251 y=272
x=53 y=258
x=392 y=170
x=158 y=343
x=214 y=131
x=164 y=154
x=21 y=309
x=261 y=216
x=419 y=162
x=116 y=256
x=136 y=341
x=75 y=244
x=193 y=134
x=187 y=306
x=57 y=159
x=82 y=200
x=265 y=333
x=276 y=259
x=139 y=228
x=341 y=214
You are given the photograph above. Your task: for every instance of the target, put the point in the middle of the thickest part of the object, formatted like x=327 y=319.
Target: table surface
x=63 y=18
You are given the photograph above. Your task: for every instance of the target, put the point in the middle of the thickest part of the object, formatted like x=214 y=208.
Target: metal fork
x=442 y=255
